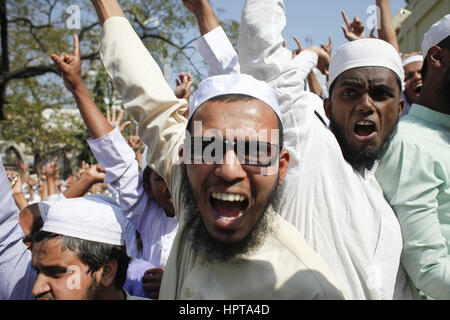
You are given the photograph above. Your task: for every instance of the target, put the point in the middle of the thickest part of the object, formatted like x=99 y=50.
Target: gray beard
x=212 y=251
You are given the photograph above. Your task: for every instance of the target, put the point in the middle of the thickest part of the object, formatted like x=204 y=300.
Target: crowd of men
x=254 y=187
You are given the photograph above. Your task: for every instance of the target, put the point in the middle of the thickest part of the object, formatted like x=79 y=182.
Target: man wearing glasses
x=231 y=244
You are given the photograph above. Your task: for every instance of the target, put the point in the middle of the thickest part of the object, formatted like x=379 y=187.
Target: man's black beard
x=444 y=89
x=213 y=251
x=364 y=159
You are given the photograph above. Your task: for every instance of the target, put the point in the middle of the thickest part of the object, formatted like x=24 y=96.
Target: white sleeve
x=263 y=56
x=122 y=174
x=147 y=97
x=305 y=61
x=218 y=52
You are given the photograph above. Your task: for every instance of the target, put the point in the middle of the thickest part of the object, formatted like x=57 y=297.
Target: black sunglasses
x=249 y=152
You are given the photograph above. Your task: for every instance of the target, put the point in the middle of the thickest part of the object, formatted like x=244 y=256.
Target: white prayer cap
x=438 y=32
x=94 y=217
x=236 y=83
x=412 y=59
x=365 y=53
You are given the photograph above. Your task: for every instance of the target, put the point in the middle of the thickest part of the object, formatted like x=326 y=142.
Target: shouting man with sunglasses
x=223 y=167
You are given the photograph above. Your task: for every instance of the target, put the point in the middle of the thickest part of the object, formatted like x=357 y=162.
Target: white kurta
x=122 y=173
x=341 y=213
x=284 y=267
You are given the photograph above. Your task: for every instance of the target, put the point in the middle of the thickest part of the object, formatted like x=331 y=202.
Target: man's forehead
x=368 y=75
x=414 y=66
x=49 y=252
x=245 y=114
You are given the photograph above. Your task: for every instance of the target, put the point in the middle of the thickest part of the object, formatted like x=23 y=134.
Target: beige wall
x=424 y=14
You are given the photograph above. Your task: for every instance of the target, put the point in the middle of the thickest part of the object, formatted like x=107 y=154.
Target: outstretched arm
x=94 y=174
x=106 y=9
x=69 y=67
x=145 y=94
x=387 y=30
x=213 y=45
x=206 y=18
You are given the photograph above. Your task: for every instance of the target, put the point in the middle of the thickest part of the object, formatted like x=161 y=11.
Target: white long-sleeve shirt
x=122 y=173
x=284 y=267
x=341 y=213
x=217 y=51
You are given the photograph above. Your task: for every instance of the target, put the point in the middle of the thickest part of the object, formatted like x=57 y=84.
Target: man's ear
x=285 y=157
x=109 y=273
x=436 y=57
x=327 y=107
x=401 y=106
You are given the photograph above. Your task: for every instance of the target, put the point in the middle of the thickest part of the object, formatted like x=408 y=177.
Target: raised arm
x=106 y=9
x=387 y=30
x=213 y=45
x=93 y=174
x=69 y=67
x=16 y=186
x=206 y=18
x=145 y=93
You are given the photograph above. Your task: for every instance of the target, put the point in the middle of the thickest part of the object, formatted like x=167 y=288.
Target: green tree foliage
x=29 y=84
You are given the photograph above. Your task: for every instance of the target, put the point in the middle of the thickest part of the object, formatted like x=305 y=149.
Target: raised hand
x=195 y=6
x=83 y=169
x=14 y=181
x=97 y=172
x=328 y=47
x=51 y=170
x=69 y=66
x=323 y=63
x=134 y=142
x=296 y=52
x=352 y=31
x=151 y=282
x=184 y=84
x=115 y=122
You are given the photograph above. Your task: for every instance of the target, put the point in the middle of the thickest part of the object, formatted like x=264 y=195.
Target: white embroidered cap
x=437 y=32
x=234 y=84
x=95 y=217
x=366 y=53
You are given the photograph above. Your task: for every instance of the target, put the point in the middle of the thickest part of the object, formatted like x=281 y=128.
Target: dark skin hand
x=151 y=282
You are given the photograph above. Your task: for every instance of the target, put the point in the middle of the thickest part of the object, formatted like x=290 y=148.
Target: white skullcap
x=412 y=59
x=438 y=32
x=366 y=53
x=94 y=218
x=234 y=84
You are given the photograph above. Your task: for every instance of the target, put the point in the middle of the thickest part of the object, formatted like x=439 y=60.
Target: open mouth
x=418 y=89
x=228 y=206
x=365 y=130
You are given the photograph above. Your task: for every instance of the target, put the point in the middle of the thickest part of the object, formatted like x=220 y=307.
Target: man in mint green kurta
x=415 y=177
x=415 y=174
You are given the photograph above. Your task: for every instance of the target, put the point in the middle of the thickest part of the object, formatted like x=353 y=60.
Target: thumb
x=57 y=60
